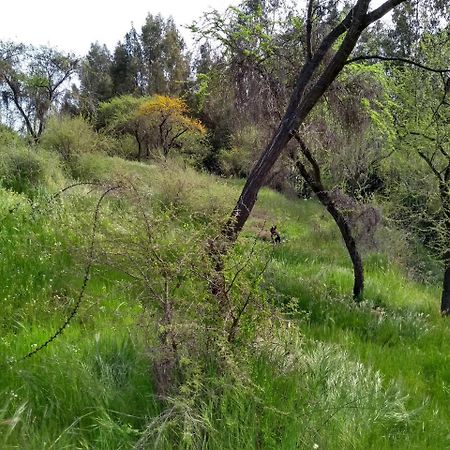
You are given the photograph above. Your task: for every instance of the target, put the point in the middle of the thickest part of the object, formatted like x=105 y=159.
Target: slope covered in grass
x=320 y=372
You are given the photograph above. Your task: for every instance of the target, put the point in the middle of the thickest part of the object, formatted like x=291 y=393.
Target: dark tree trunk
x=136 y=135
x=350 y=243
x=445 y=302
x=445 y=201
x=323 y=195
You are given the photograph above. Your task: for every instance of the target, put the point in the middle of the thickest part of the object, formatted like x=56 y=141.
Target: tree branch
x=307 y=153
x=430 y=164
x=396 y=59
x=379 y=12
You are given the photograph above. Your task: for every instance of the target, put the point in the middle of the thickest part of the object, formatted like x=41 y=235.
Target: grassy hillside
x=317 y=371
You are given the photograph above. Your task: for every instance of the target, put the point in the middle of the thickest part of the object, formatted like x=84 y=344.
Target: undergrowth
x=308 y=367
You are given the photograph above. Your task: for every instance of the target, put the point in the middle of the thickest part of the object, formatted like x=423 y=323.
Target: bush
x=72 y=137
x=8 y=137
x=98 y=168
x=246 y=143
x=24 y=170
x=235 y=162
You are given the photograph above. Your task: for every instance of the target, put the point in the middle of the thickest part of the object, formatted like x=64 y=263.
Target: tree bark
x=445 y=201
x=138 y=140
x=445 y=301
x=444 y=178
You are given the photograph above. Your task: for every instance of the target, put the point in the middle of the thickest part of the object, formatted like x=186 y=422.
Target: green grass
x=332 y=374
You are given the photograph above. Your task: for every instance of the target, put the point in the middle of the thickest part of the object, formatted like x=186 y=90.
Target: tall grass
x=319 y=372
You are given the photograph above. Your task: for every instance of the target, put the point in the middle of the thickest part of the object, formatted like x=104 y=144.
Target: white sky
x=73 y=26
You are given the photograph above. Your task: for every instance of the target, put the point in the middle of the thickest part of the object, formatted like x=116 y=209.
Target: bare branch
x=396 y=59
x=382 y=10
x=87 y=275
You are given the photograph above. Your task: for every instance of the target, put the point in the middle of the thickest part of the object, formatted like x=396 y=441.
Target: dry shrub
x=363 y=218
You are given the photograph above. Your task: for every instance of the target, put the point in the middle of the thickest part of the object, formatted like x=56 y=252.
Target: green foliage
x=285 y=359
x=95 y=78
x=419 y=183
x=153 y=61
x=158 y=124
x=33 y=79
x=8 y=137
x=238 y=160
x=72 y=137
x=235 y=162
x=25 y=170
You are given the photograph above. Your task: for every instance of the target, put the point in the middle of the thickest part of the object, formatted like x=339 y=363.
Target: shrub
x=246 y=142
x=24 y=170
x=8 y=136
x=72 y=137
x=235 y=162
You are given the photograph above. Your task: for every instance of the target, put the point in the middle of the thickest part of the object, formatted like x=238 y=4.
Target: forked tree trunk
x=307 y=92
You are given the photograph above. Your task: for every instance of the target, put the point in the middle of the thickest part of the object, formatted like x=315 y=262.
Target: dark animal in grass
x=276 y=238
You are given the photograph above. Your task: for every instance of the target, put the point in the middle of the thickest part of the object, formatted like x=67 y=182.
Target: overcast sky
x=73 y=26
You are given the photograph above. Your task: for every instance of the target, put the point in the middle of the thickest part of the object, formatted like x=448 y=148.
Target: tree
x=423 y=116
x=152 y=37
x=153 y=61
x=170 y=120
x=96 y=84
x=155 y=122
x=175 y=59
x=120 y=114
x=33 y=80
x=122 y=76
x=325 y=57
x=312 y=81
